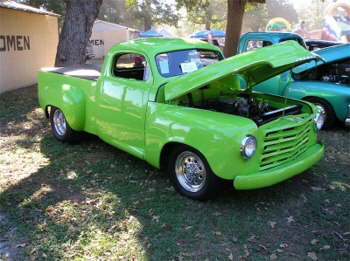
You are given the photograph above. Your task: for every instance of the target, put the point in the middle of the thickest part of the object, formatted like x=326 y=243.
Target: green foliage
x=208 y=13
x=313 y=14
x=282 y=8
x=114 y=11
x=257 y=16
x=150 y=12
x=55 y=6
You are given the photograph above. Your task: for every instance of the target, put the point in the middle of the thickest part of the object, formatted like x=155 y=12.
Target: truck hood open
x=328 y=55
x=255 y=66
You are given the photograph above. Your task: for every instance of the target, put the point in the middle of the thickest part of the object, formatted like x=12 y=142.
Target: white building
x=105 y=35
x=28 y=41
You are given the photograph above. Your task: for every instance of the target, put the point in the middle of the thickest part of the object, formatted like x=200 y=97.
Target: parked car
x=325 y=83
x=253 y=40
x=314 y=45
x=177 y=105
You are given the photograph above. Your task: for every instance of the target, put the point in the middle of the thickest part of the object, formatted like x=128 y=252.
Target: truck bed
x=83 y=71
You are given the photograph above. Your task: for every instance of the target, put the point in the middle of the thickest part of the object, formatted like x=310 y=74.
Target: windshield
x=185 y=61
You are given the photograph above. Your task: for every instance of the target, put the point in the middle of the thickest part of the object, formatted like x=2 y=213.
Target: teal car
x=325 y=83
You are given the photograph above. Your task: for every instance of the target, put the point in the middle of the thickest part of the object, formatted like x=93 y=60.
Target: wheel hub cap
x=190 y=171
x=59 y=122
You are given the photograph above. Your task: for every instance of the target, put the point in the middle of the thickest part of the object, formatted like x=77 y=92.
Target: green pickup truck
x=325 y=83
x=178 y=105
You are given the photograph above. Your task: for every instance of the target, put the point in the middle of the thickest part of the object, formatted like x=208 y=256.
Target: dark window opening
x=131 y=66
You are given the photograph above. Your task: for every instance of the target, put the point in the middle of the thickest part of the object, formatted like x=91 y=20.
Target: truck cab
x=254 y=40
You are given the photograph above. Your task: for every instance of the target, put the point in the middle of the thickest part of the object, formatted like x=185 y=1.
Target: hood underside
x=255 y=66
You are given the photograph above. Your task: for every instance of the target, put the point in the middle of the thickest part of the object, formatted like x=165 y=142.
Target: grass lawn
x=91 y=201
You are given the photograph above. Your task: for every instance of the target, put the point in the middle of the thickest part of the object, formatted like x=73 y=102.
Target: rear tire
x=60 y=127
x=191 y=175
x=330 y=117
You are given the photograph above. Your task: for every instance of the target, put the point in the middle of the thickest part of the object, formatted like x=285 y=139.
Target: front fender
x=216 y=135
x=337 y=95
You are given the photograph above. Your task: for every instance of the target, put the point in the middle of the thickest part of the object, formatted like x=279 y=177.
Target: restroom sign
x=97 y=42
x=14 y=43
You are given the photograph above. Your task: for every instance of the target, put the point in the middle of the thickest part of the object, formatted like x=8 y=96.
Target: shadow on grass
x=91 y=200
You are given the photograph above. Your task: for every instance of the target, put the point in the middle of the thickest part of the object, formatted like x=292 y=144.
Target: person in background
x=301 y=29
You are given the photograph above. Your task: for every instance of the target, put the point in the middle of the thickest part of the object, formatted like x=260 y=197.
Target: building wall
x=28 y=41
x=102 y=41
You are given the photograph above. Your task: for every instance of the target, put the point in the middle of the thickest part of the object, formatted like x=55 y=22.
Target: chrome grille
x=285 y=144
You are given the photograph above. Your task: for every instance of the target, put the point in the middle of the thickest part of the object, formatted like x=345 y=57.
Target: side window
x=131 y=66
x=256 y=44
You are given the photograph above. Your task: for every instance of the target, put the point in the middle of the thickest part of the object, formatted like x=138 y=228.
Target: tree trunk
x=147 y=22
x=207 y=25
x=235 y=12
x=76 y=31
x=208 y=18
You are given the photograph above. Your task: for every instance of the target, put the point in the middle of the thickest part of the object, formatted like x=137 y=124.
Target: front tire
x=191 y=175
x=330 y=117
x=60 y=127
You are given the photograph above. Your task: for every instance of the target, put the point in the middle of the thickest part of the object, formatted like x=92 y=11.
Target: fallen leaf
x=317 y=188
x=312 y=255
x=325 y=247
x=331 y=187
x=290 y=219
x=252 y=238
x=234 y=239
x=283 y=245
x=262 y=246
x=314 y=242
x=272 y=224
x=155 y=218
x=166 y=227
x=188 y=227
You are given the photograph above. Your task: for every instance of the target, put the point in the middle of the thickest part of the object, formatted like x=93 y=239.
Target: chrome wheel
x=59 y=122
x=190 y=171
x=322 y=110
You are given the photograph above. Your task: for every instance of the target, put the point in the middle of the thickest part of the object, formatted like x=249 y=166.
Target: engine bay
x=338 y=72
x=248 y=105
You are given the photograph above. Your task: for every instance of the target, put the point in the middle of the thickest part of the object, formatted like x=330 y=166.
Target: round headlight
x=248 y=146
x=320 y=117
